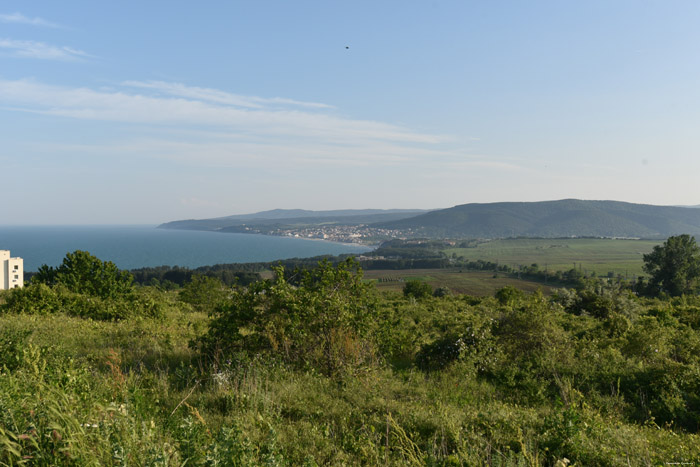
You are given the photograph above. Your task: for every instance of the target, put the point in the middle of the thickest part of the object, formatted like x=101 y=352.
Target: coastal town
x=361 y=234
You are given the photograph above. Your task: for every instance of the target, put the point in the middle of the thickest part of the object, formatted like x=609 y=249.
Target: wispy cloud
x=292 y=123
x=219 y=97
x=214 y=128
x=19 y=18
x=41 y=50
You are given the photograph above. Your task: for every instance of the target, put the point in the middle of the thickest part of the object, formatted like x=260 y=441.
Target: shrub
x=323 y=323
x=508 y=295
x=417 y=289
x=204 y=293
x=40 y=299
x=83 y=273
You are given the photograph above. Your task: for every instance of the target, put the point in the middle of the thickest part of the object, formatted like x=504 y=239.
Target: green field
x=478 y=283
x=597 y=255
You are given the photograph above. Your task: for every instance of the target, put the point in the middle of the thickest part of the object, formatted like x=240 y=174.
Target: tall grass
x=76 y=391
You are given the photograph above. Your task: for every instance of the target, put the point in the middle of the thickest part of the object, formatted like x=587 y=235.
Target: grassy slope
x=130 y=392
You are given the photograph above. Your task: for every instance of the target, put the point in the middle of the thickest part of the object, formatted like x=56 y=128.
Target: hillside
x=280 y=217
x=563 y=218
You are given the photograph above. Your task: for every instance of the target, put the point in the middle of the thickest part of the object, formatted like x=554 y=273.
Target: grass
x=590 y=254
x=477 y=283
x=74 y=391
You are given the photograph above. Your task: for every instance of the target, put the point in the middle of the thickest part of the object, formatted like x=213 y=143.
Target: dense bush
x=204 y=293
x=417 y=289
x=322 y=323
x=83 y=273
x=84 y=286
x=40 y=299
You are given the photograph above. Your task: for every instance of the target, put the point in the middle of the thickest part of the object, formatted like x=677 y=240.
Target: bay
x=136 y=246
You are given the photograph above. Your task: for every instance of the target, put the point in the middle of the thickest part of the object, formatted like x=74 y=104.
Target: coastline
x=133 y=247
x=371 y=246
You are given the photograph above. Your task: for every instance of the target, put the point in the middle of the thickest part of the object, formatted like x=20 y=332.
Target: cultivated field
x=478 y=283
x=590 y=254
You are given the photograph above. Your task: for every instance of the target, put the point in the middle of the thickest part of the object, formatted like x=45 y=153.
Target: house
x=11 y=271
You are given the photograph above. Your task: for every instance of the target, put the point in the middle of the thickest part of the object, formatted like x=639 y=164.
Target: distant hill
x=563 y=218
x=294 y=217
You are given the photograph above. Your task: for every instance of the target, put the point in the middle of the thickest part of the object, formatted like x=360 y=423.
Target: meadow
x=460 y=281
x=330 y=371
x=598 y=255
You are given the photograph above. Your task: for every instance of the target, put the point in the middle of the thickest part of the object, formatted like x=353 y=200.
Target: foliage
x=176 y=276
x=323 y=323
x=417 y=289
x=442 y=292
x=83 y=273
x=40 y=299
x=674 y=266
x=530 y=380
x=203 y=293
x=508 y=295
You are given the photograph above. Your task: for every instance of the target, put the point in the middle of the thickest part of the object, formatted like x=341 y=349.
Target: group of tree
x=82 y=285
x=674 y=267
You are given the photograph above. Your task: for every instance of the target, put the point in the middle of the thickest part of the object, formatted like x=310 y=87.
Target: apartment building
x=11 y=271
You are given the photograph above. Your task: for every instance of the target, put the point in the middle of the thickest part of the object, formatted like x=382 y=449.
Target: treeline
x=429 y=254
x=173 y=277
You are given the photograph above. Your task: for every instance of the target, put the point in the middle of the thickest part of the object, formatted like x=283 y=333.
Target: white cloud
x=210 y=128
x=219 y=97
x=41 y=50
x=19 y=18
x=292 y=124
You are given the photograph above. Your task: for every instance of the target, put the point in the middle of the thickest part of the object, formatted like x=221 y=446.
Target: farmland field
x=597 y=255
x=479 y=283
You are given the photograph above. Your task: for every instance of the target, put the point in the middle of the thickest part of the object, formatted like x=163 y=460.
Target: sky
x=145 y=112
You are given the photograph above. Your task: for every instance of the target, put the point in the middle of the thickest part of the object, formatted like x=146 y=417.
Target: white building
x=11 y=271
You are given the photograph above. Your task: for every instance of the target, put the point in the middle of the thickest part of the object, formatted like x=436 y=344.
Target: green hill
x=279 y=217
x=563 y=218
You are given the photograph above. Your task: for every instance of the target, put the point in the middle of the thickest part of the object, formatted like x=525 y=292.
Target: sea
x=137 y=246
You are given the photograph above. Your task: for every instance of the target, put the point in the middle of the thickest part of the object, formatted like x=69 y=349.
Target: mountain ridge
x=293 y=216
x=558 y=218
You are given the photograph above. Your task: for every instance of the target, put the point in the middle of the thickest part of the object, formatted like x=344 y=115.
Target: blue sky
x=144 y=112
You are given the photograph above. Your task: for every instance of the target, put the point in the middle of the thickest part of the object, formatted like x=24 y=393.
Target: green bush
x=509 y=295
x=417 y=289
x=323 y=323
x=39 y=299
x=83 y=273
x=204 y=293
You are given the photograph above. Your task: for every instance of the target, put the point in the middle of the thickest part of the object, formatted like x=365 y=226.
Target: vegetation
x=82 y=273
x=322 y=323
x=674 y=267
x=316 y=368
x=552 y=219
x=600 y=256
x=82 y=285
x=417 y=289
x=472 y=282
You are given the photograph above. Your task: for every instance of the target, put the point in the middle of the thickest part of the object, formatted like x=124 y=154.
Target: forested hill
x=563 y=218
x=294 y=217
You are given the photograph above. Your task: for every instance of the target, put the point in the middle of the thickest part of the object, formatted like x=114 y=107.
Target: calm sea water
x=131 y=247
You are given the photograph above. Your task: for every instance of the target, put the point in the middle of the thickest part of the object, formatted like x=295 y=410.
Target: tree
x=204 y=292
x=674 y=267
x=83 y=273
x=417 y=289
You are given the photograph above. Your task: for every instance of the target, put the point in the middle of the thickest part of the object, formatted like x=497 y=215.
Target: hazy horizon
x=132 y=113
